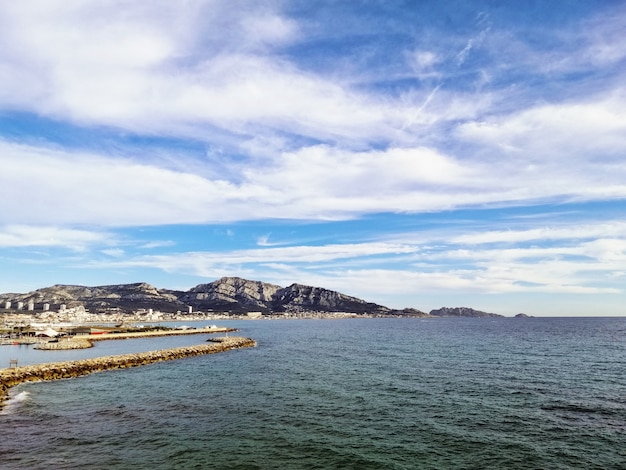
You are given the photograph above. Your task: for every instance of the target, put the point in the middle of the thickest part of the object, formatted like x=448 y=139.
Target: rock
x=409 y=312
x=231 y=293
x=461 y=312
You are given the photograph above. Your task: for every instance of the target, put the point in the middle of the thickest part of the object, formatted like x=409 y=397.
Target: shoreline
x=69 y=369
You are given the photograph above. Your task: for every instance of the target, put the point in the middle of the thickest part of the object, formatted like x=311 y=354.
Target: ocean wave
x=14 y=402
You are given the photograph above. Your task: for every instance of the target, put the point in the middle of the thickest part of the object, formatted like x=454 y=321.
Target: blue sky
x=414 y=154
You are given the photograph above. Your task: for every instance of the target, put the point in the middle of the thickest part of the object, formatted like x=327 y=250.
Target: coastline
x=68 y=369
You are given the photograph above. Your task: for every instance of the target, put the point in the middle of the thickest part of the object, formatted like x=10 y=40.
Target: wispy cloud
x=317 y=182
x=296 y=254
x=157 y=69
x=569 y=232
x=12 y=236
x=575 y=263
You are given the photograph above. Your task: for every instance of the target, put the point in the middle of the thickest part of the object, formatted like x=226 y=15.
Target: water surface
x=355 y=393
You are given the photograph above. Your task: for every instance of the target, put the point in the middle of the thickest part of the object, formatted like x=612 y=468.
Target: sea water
x=457 y=393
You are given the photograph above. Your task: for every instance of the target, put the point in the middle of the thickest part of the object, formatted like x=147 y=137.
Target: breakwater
x=68 y=369
x=85 y=341
x=72 y=343
x=147 y=334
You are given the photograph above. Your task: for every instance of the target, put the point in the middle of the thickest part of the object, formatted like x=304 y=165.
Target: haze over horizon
x=411 y=154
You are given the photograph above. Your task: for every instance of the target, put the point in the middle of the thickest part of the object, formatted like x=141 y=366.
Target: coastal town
x=25 y=324
x=76 y=328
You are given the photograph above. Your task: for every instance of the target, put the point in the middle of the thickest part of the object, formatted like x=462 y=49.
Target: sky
x=410 y=153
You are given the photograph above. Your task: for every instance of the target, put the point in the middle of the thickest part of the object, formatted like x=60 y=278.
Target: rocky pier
x=86 y=341
x=68 y=369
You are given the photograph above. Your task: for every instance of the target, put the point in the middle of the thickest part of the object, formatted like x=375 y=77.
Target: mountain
x=298 y=298
x=125 y=297
x=228 y=294
x=461 y=312
x=231 y=294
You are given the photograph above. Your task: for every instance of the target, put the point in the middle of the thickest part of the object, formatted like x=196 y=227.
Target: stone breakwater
x=147 y=334
x=86 y=341
x=65 y=345
x=68 y=369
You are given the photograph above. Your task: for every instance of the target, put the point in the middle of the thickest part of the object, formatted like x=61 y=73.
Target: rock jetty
x=72 y=343
x=68 y=369
x=86 y=341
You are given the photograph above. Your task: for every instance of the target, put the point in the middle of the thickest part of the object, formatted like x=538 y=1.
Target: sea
x=410 y=393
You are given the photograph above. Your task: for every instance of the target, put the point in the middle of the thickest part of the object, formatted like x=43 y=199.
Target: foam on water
x=14 y=401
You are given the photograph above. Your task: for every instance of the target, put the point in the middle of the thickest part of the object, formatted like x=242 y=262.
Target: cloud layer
x=120 y=117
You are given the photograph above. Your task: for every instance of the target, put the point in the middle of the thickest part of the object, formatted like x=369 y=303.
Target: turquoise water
x=360 y=393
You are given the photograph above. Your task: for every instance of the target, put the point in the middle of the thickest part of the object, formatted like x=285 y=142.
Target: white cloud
x=584 y=264
x=79 y=188
x=319 y=182
x=424 y=64
x=587 y=131
x=296 y=254
x=333 y=173
x=157 y=244
x=570 y=151
x=163 y=69
x=19 y=236
x=270 y=28
x=264 y=241
x=114 y=252
x=567 y=232
x=471 y=43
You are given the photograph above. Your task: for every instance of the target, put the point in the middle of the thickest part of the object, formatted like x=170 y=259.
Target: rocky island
x=461 y=312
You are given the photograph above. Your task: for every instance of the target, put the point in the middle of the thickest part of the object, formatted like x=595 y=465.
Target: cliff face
x=231 y=293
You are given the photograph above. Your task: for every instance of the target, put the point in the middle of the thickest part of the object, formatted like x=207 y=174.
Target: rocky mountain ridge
x=229 y=294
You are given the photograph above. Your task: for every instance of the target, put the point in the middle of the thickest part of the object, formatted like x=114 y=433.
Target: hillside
x=228 y=294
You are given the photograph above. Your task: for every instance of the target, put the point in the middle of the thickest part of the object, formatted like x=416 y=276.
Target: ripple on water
x=397 y=394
